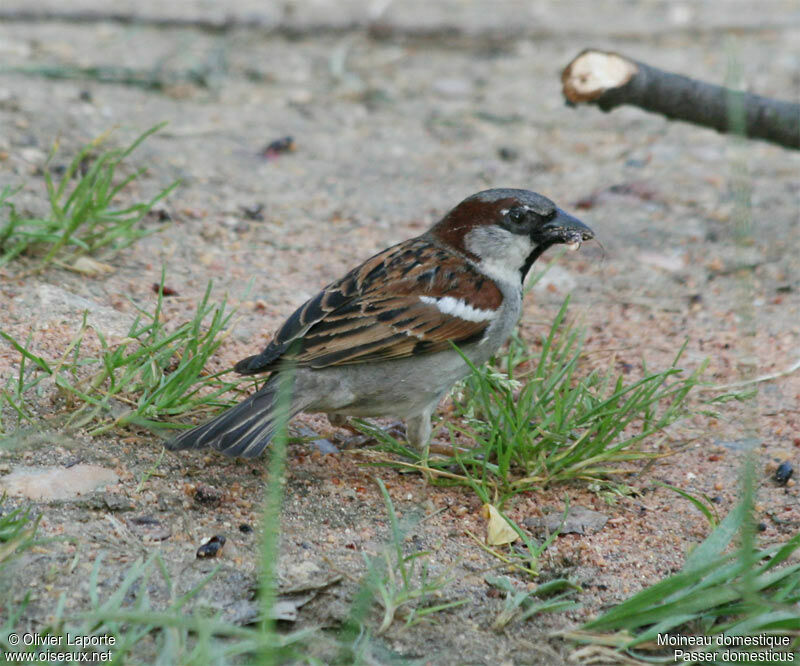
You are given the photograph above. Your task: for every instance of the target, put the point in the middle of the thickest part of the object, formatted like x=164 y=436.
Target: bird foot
x=359 y=439
x=398 y=431
x=446 y=449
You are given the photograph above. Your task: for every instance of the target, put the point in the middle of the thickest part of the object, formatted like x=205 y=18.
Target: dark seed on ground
x=783 y=473
x=278 y=147
x=168 y=291
x=255 y=212
x=508 y=154
x=211 y=548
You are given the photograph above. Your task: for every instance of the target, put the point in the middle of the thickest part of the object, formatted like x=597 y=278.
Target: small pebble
x=207 y=495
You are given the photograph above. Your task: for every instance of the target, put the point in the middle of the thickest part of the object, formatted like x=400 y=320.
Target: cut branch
x=609 y=79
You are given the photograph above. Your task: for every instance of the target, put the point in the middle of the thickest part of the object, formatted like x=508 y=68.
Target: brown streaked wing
x=337 y=296
x=377 y=313
x=389 y=321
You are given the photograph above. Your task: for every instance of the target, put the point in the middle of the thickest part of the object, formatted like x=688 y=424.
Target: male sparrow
x=379 y=341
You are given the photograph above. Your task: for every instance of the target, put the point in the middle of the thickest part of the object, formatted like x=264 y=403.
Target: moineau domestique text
x=70 y=640
x=760 y=640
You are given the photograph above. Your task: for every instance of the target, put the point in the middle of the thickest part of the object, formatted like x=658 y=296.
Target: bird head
x=504 y=231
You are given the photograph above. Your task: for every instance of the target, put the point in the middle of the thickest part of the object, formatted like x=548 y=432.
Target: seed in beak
x=574 y=246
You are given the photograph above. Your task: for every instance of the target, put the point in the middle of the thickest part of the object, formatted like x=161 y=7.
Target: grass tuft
x=519 y=605
x=148 y=379
x=84 y=216
x=130 y=624
x=535 y=419
x=719 y=594
x=402 y=583
x=17 y=535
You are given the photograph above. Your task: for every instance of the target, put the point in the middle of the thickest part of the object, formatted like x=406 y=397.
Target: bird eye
x=516 y=215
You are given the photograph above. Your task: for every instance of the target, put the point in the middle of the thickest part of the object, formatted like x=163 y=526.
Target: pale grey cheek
x=494 y=243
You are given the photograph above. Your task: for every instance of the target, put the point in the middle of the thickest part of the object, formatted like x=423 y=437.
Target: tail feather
x=244 y=430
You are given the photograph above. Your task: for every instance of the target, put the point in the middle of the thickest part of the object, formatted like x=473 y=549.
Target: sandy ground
x=399 y=112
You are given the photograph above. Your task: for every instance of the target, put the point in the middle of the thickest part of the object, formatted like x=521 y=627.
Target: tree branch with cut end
x=609 y=80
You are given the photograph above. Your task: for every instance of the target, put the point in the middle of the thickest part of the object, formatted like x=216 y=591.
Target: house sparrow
x=379 y=341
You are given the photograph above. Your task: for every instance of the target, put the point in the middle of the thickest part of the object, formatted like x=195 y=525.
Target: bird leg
x=399 y=430
x=356 y=439
x=419 y=436
x=416 y=430
x=341 y=421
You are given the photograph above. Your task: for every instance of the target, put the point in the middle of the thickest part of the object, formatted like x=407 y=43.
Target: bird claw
x=396 y=430
x=446 y=449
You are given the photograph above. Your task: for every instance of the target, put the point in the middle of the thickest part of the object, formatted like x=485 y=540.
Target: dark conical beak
x=565 y=229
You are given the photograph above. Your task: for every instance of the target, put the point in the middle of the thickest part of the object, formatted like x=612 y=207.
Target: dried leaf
x=90 y=267
x=498 y=531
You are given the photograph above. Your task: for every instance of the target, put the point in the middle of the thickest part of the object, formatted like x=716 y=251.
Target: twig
x=422 y=468
x=609 y=79
x=758 y=380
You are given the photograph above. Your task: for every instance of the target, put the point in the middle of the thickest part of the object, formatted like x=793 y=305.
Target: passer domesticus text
x=379 y=341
